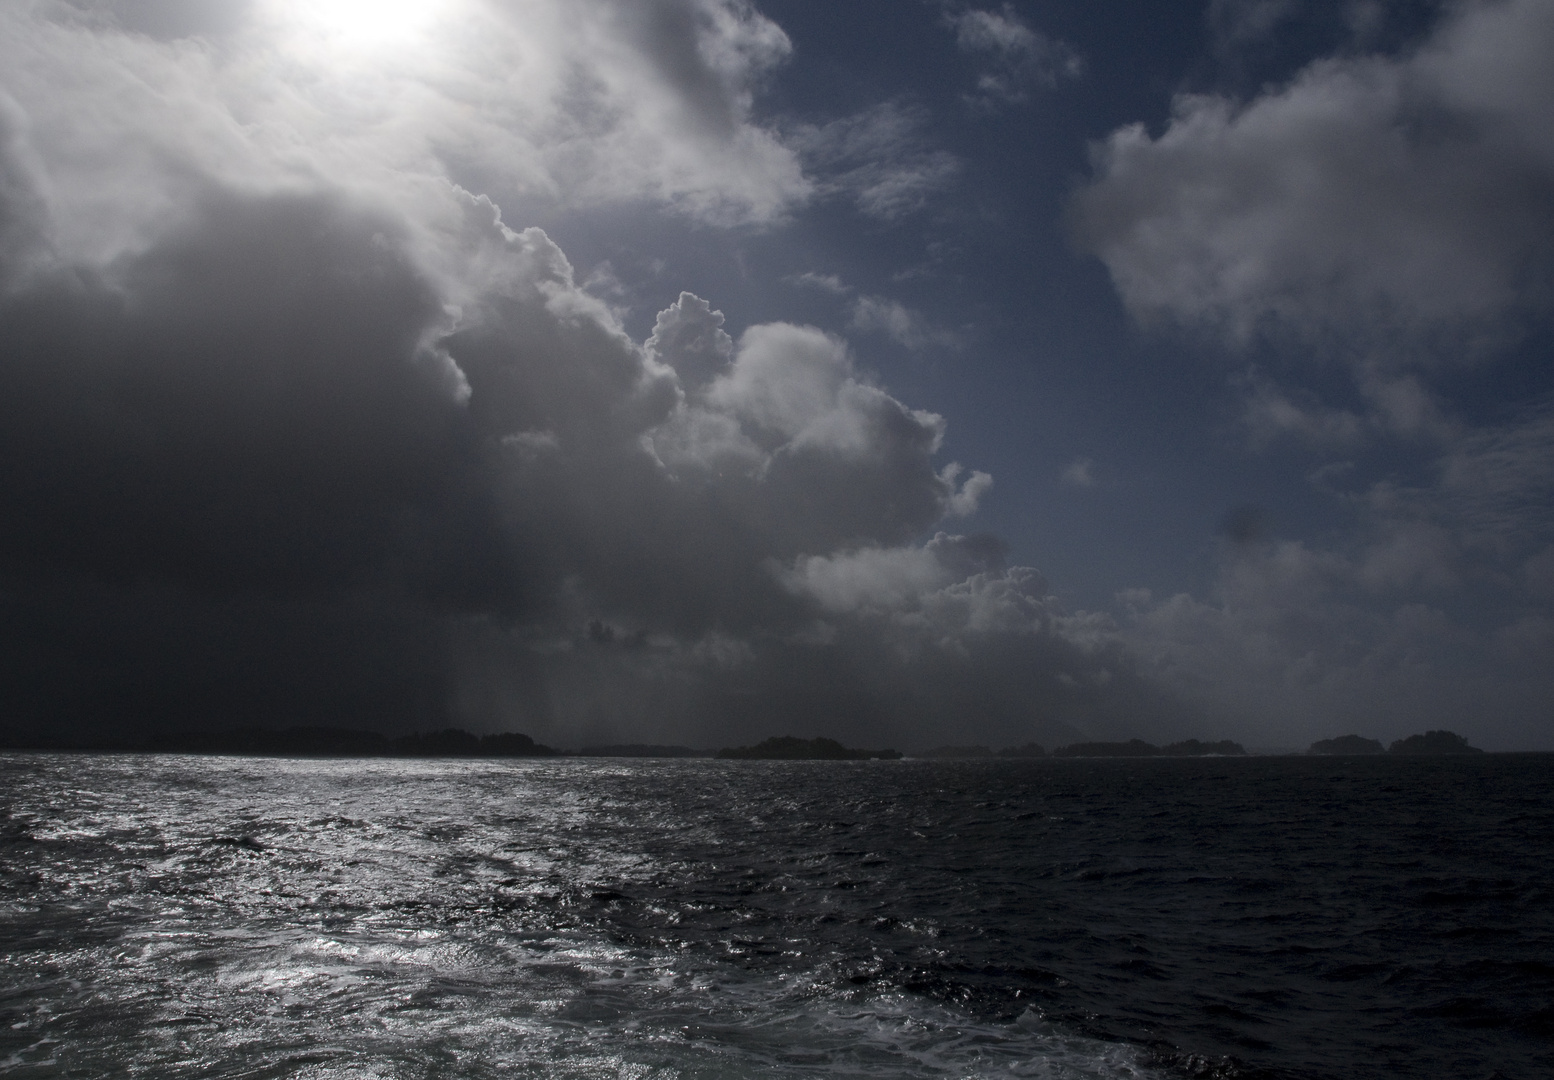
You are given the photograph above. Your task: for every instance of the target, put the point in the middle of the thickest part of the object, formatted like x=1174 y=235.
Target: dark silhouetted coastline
x=1140 y=748
x=792 y=748
x=1194 y=748
x=1347 y=744
x=1433 y=743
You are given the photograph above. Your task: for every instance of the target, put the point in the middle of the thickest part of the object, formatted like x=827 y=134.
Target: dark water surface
x=1267 y=917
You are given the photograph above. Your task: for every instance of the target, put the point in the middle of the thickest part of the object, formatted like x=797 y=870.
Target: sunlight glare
x=367 y=23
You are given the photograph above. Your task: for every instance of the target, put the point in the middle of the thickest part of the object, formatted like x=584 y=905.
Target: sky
x=908 y=372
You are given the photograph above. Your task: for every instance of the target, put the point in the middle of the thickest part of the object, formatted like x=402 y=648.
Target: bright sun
x=368 y=22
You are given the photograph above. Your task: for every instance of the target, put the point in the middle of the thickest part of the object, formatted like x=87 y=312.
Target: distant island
x=1430 y=744
x=1194 y=748
x=1140 y=748
x=1433 y=743
x=792 y=748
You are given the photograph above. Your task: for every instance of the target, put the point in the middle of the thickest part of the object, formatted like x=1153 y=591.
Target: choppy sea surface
x=171 y=916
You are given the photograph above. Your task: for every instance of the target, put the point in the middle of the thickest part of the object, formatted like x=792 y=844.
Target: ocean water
x=172 y=916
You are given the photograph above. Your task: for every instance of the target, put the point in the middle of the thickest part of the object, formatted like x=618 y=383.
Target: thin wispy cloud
x=829 y=283
x=1015 y=56
x=880 y=159
x=903 y=325
x=1079 y=473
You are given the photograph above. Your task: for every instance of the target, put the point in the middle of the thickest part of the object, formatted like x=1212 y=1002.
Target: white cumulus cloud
x=1371 y=194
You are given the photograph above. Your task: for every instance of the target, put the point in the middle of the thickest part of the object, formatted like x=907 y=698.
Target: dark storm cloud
x=664 y=503
x=233 y=485
x=904 y=659
x=242 y=479
x=89 y=658
x=246 y=403
x=260 y=459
